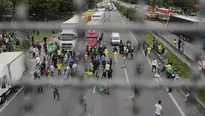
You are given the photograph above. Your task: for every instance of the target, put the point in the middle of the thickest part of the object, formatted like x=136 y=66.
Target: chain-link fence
x=23 y=25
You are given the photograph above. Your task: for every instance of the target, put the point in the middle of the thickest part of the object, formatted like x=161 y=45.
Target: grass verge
x=18 y=48
x=42 y=34
x=185 y=71
x=201 y=95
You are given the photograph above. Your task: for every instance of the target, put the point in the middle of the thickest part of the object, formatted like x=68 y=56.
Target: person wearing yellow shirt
x=159 y=48
x=169 y=71
x=59 y=67
x=175 y=42
x=106 y=54
x=115 y=55
x=59 y=53
x=124 y=49
x=68 y=69
x=107 y=67
x=148 y=50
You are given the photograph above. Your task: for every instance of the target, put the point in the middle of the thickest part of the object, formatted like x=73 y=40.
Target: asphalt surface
x=190 y=49
x=43 y=104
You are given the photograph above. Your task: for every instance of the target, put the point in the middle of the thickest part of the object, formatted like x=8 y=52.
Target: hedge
x=129 y=13
x=185 y=71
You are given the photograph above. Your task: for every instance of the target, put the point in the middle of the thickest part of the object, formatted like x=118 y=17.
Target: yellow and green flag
x=101 y=90
x=52 y=48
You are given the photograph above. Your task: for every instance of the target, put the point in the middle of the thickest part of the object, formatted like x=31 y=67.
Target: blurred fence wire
x=22 y=24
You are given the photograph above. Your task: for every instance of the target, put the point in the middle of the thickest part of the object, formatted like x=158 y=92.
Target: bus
x=186 y=36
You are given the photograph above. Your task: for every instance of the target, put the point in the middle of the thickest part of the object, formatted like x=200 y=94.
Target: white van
x=115 y=38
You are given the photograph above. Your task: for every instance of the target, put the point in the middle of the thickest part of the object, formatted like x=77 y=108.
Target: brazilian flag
x=101 y=90
x=88 y=75
x=50 y=75
x=52 y=48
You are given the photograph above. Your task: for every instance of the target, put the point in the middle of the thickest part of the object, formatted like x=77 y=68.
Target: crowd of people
x=96 y=60
x=167 y=65
x=8 y=41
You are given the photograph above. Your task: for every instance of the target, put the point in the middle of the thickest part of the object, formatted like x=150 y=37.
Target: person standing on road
x=115 y=55
x=39 y=49
x=179 y=44
x=149 y=50
x=35 y=74
x=38 y=61
x=154 y=65
x=56 y=93
x=107 y=67
x=59 y=53
x=34 y=52
x=65 y=74
x=110 y=74
x=59 y=67
x=187 y=96
x=110 y=62
x=45 y=39
x=158 y=108
x=145 y=52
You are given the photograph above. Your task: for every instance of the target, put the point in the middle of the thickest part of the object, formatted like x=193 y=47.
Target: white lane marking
x=8 y=102
x=94 y=89
x=126 y=75
x=171 y=96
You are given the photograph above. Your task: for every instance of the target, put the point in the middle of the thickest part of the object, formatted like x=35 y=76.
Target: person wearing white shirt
x=158 y=109
x=38 y=60
x=52 y=69
x=154 y=65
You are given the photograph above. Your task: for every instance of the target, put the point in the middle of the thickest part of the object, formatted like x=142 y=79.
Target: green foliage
x=66 y=6
x=201 y=95
x=186 y=5
x=184 y=70
x=91 y=4
x=5 y=9
x=43 y=8
x=129 y=13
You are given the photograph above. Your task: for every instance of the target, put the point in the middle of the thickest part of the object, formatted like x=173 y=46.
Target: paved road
x=101 y=105
x=178 y=97
x=190 y=49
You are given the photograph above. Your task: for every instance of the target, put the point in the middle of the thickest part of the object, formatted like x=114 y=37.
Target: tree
x=66 y=6
x=91 y=4
x=5 y=9
x=14 y=3
x=43 y=8
x=185 y=4
x=189 y=5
